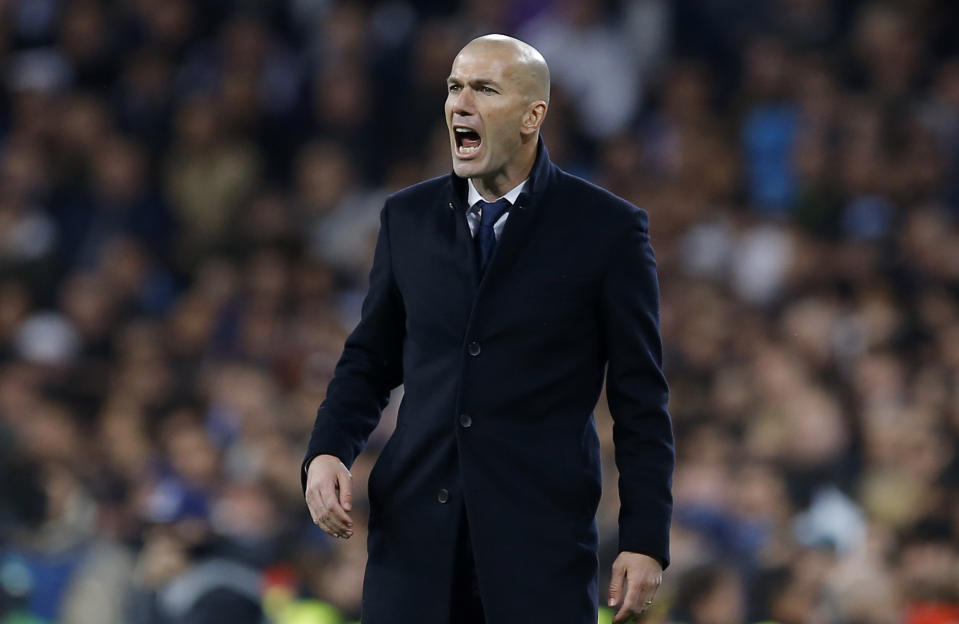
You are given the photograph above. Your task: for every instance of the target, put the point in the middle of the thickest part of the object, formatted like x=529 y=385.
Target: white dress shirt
x=475 y=213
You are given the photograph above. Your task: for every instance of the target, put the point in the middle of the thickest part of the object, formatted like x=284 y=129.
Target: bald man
x=500 y=296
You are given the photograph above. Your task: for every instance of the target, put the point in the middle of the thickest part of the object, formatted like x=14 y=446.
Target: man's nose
x=463 y=103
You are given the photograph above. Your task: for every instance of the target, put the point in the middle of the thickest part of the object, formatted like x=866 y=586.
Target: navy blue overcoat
x=501 y=373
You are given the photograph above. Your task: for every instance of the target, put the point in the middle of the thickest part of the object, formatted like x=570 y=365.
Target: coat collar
x=539 y=177
x=521 y=220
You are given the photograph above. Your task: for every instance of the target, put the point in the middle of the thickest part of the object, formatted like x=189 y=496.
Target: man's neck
x=473 y=196
x=498 y=184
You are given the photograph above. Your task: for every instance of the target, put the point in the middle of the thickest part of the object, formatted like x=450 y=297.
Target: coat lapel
x=465 y=248
x=519 y=226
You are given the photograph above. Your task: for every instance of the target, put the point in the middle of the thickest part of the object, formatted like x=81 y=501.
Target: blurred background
x=189 y=193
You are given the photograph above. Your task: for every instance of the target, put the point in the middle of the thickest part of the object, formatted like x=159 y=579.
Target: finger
x=340 y=517
x=334 y=514
x=616 y=584
x=330 y=530
x=345 y=480
x=315 y=506
x=318 y=513
x=625 y=616
x=322 y=521
x=645 y=606
x=647 y=590
x=631 y=606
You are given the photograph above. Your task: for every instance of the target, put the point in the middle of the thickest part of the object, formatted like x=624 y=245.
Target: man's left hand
x=636 y=578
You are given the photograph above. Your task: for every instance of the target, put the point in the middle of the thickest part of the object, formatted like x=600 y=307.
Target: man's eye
x=453 y=88
x=488 y=90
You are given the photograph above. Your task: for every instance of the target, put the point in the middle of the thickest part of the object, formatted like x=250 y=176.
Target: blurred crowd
x=189 y=194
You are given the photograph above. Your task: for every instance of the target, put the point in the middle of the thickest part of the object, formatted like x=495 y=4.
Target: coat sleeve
x=369 y=368
x=637 y=394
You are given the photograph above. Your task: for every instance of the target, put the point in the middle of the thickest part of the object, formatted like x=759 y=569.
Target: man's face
x=484 y=113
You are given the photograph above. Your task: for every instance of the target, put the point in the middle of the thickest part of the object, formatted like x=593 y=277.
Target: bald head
x=496 y=101
x=523 y=63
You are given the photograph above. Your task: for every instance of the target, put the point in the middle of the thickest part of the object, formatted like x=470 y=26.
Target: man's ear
x=534 y=117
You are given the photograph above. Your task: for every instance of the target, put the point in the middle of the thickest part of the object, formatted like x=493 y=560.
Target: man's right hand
x=329 y=495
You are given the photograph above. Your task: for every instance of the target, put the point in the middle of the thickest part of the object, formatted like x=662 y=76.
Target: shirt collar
x=473 y=195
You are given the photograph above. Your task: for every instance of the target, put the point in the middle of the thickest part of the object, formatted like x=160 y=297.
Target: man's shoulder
x=601 y=203
x=421 y=191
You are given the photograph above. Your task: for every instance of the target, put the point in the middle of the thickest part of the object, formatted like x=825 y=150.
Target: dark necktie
x=486 y=236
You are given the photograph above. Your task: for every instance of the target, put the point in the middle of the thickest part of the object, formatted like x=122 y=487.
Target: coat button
x=474 y=348
x=443 y=495
x=465 y=421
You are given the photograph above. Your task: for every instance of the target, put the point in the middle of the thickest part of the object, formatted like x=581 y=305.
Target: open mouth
x=467 y=140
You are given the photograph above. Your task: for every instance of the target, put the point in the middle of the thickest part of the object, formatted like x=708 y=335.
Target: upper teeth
x=463 y=129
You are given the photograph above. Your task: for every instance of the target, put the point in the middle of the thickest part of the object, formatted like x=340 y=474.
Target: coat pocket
x=382 y=473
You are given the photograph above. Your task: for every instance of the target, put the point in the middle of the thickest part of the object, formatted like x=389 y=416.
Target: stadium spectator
x=185 y=192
